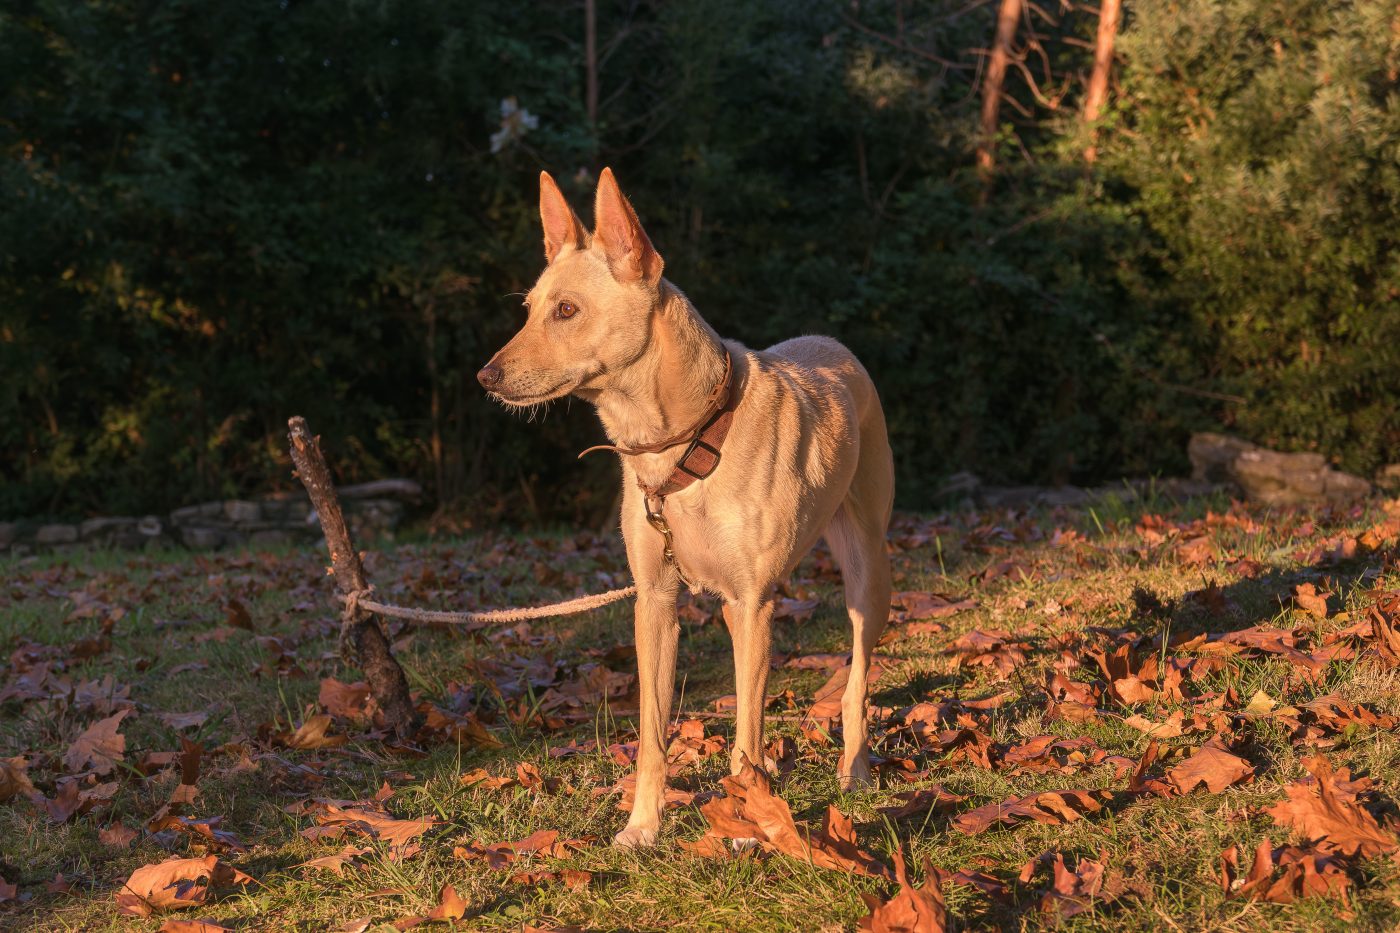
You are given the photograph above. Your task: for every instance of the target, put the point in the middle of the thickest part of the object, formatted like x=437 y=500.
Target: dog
x=734 y=463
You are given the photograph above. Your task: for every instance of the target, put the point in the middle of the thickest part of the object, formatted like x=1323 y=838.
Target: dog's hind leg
x=856 y=535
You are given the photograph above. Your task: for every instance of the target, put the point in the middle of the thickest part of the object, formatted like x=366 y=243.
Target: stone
x=105 y=528
x=269 y=538
x=201 y=537
x=1271 y=477
x=962 y=485
x=56 y=534
x=9 y=534
x=1213 y=454
x=242 y=512
x=192 y=514
x=150 y=527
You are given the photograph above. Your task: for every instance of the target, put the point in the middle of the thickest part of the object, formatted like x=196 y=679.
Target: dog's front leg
x=751 y=628
x=657 y=631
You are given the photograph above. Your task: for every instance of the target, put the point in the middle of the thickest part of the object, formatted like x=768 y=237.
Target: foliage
x=219 y=217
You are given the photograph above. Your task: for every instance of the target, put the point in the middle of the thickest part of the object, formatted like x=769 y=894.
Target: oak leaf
x=1213 y=765
x=99 y=747
x=912 y=910
x=175 y=884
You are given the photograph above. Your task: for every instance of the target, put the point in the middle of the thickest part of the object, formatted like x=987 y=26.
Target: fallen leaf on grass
x=1308 y=598
x=1070 y=892
x=8 y=891
x=826 y=703
x=499 y=855
x=377 y=825
x=118 y=836
x=14 y=778
x=997 y=650
x=449 y=907
x=179 y=721
x=919 y=606
x=912 y=910
x=752 y=811
x=916 y=802
x=1305 y=874
x=192 y=926
x=347 y=701
x=1213 y=765
x=311 y=734
x=337 y=862
x=100 y=746
x=1327 y=815
x=1050 y=807
x=175 y=884
x=442 y=725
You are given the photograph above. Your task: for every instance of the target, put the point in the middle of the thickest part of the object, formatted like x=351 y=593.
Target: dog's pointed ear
x=561 y=225
x=616 y=228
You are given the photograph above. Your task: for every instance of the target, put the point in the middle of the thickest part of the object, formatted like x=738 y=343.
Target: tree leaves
x=175 y=884
x=1049 y=807
x=912 y=910
x=99 y=747
x=750 y=810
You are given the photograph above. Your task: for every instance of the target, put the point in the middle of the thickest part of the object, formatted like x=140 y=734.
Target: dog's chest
x=703 y=546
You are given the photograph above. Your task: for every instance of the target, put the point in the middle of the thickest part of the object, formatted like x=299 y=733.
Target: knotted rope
x=357 y=600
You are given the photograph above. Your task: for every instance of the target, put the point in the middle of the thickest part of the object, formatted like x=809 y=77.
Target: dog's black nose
x=490 y=376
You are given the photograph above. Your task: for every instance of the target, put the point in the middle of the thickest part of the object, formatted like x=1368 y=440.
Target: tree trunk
x=590 y=61
x=1008 y=15
x=363 y=631
x=1097 y=96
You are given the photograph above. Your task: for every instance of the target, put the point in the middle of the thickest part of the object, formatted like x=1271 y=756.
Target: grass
x=171 y=614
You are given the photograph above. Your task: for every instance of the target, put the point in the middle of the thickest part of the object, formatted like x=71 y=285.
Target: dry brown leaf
x=311 y=735
x=1328 y=816
x=1305 y=874
x=348 y=701
x=917 y=802
x=192 y=926
x=1309 y=599
x=1213 y=765
x=1050 y=807
x=997 y=650
x=396 y=832
x=449 y=907
x=183 y=720
x=337 y=862
x=14 y=778
x=912 y=910
x=118 y=836
x=752 y=811
x=175 y=884
x=99 y=748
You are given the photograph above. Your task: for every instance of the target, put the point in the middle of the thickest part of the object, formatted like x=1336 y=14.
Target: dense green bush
x=220 y=215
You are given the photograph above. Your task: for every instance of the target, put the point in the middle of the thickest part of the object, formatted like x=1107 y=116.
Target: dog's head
x=589 y=313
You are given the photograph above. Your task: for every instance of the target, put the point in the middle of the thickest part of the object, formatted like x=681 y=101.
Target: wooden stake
x=361 y=630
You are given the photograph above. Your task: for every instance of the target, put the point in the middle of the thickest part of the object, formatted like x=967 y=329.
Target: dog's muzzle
x=490 y=376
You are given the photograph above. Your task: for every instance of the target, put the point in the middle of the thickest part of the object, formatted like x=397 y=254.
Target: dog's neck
x=665 y=390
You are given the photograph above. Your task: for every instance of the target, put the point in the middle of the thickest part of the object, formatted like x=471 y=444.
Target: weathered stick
x=360 y=628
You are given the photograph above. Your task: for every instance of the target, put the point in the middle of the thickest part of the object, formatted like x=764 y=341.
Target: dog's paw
x=743 y=844
x=857 y=778
x=635 y=838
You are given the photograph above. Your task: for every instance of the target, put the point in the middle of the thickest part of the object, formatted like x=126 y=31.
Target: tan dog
x=806 y=456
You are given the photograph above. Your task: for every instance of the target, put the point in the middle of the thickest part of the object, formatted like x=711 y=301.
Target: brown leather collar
x=705 y=437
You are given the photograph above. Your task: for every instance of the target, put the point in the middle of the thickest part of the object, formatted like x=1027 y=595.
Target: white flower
x=516 y=121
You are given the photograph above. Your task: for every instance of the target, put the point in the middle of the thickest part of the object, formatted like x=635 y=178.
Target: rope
x=357 y=601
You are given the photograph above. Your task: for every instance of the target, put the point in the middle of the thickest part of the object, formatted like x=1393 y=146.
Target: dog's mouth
x=525 y=399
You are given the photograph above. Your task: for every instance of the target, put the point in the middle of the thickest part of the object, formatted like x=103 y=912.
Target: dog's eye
x=565 y=310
